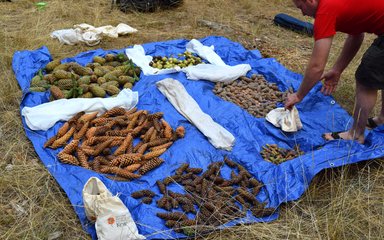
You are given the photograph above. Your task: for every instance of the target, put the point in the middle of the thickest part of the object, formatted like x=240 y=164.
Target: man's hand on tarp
x=291 y=100
x=331 y=79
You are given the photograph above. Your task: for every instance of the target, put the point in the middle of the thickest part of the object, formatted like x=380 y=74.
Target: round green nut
x=51 y=65
x=98 y=59
x=101 y=80
x=97 y=91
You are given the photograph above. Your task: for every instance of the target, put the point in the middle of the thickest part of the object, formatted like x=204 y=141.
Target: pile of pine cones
x=254 y=94
x=105 y=144
x=218 y=200
x=274 y=154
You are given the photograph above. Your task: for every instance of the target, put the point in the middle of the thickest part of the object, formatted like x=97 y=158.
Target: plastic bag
x=287 y=120
x=113 y=219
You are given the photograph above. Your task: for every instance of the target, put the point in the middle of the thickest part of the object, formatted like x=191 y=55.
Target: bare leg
x=364 y=103
x=379 y=120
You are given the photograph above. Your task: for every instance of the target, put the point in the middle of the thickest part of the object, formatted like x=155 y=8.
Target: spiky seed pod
x=56 y=92
x=130 y=111
x=146 y=200
x=100 y=121
x=50 y=141
x=63 y=130
x=186 y=205
x=165 y=203
x=138 y=145
x=116 y=141
x=148 y=166
x=71 y=147
x=63 y=140
x=175 y=194
x=156 y=115
x=133 y=167
x=156 y=124
x=143 y=193
x=126 y=159
x=194 y=170
x=147 y=134
x=75 y=118
x=182 y=168
x=68 y=159
x=123 y=147
x=170 y=223
x=177 y=216
x=95 y=131
x=96 y=164
x=187 y=176
x=116 y=111
x=153 y=154
x=229 y=162
x=154 y=136
x=82 y=131
x=247 y=196
x=87 y=117
x=136 y=131
x=51 y=65
x=256 y=190
x=133 y=122
x=116 y=132
x=142 y=148
x=167 y=129
x=101 y=146
x=180 y=131
x=142 y=117
x=165 y=145
x=94 y=140
x=262 y=212
x=157 y=142
x=88 y=150
x=120 y=172
x=161 y=186
x=171 y=179
x=83 y=159
x=254 y=183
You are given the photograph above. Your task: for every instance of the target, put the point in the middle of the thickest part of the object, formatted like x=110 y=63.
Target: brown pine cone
x=101 y=146
x=156 y=115
x=156 y=124
x=71 y=147
x=182 y=168
x=63 y=140
x=115 y=111
x=229 y=162
x=146 y=200
x=147 y=134
x=49 y=142
x=262 y=212
x=153 y=154
x=188 y=223
x=176 y=216
x=194 y=170
x=82 y=131
x=142 y=148
x=120 y=172
x=76 y=117
x=148 y=166
x=63 y=130
x=87 y=117
x=247 y=196
x=126 y=159
x=130 y=111
x=180 y=131
x=142 y=117
x=68 y=159
x=165 y=145
x=167 y=129
x=83 y=159
x=161 y=187
x=143 y=193
x=133 y=167
x=123 y=147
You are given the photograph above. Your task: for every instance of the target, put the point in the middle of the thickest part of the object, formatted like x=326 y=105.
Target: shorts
x=370 y=72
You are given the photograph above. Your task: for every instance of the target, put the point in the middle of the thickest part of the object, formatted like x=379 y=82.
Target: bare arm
x=315 y=66
x=351 y=46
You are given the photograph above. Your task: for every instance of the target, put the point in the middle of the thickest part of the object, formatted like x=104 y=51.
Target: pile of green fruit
x=104 y=76
x=185 y=59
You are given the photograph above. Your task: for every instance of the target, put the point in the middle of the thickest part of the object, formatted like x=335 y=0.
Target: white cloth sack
x=215 y=71
x=113 y=219
x=44 y=116
x=89 y=34
x=287 y=120
x=175 y=92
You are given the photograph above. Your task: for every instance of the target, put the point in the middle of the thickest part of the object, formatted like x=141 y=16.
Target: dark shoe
x=371 y=124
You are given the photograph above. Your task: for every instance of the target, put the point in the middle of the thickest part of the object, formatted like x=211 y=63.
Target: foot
x=342 y=136
x=374 y=122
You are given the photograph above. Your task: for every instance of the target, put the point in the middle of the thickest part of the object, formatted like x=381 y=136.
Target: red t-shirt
x=348 y=16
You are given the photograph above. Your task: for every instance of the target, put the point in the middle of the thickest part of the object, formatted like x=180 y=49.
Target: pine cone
x=87 y=117
x=153 y=154
x=63 y=130
x=133 y=167
x=83 y=159
x=126 y=159
x=165 y=145
x=182 y=168
x=148 y=166
x=161 y=187
x=68 y=159
x=143 y=193
x=167 y=129
x=63 y=140
x=180 y=131
x=120 y=172
x=49 y=142
x=116 y=111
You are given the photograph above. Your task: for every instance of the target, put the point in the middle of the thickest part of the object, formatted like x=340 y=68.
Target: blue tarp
x=284 y=182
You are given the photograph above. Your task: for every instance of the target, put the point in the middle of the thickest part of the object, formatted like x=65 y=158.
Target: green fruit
x=49 y=78
x=97 y=91
x=84 y=88
x=99 y=60
x=52 y=65
x=61 y=74
x=123 y=80
x=113 y=64
x=111 y=90
x=65 y=83
x=94 y=78
x=121 y=57
x=84 y=80
x=82 y=71
x=63 y=66
x=113 y=83
x=56 y=92
x=110 y=57
x=100 y=71
x=37 y=89
x=101 y=80
x=110 y=77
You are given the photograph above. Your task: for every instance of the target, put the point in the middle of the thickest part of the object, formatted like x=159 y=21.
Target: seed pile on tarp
x=185 y=59
x=104 y=76
x=255 y=94
x=105 y=144
x=275 y=154
x=212 y=199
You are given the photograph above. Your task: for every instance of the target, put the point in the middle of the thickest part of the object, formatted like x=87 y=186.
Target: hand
x=331 y=79
x=291 y=100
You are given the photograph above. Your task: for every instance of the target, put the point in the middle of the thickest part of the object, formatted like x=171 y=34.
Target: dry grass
x=346 y=203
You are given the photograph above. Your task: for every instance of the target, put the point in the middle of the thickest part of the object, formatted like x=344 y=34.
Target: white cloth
x=44 y=116
x=215 y=71
x=89 y=34
x=175 y=92
x=287 y=120
x=113 y=219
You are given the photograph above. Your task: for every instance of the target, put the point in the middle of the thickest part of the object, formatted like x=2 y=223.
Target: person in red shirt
x=353 y=17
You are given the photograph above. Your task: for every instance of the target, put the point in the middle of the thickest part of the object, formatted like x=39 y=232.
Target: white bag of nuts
x=113 y=219
x=287 y=120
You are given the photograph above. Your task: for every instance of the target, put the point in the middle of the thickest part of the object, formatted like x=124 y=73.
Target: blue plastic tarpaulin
x=283 y=182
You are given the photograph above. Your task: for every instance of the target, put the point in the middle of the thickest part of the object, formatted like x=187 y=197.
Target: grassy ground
x=344 y=203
